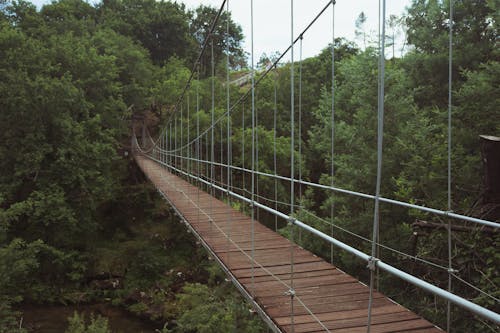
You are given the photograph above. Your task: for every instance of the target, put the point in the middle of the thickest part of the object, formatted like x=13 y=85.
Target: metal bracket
x=290 y=292
x=372 y=263
x=291 y=220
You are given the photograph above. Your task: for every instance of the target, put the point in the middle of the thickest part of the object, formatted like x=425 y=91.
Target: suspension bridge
x=291 y=288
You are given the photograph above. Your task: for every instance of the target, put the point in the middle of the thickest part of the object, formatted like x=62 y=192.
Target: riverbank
x=54 y=318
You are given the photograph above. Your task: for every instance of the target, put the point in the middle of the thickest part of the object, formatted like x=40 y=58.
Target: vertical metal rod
x=160 y=157
x=243 y=145
x=207 y=160
x=228 y=107
x=450 y=82
x=253 y=150
x=300 y=119
x=257 y=209
x=332 y=140
x=221 y=155
x=292 y=163
x=274 y=145
x=380 y=134
x=212 y=142
x=170 y=143
x=300 y=131
x=181 y=124
x=175 y=143
x=198 y=140
x=188 y=148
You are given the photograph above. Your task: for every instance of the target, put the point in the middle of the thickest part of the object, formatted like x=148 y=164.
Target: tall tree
x=162 y=27
x=201 y=24
x=474 y=36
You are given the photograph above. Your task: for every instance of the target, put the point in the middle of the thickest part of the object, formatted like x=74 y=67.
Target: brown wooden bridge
x=324 y=297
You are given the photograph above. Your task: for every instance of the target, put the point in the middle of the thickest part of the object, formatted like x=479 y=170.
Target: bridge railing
x=160 y=156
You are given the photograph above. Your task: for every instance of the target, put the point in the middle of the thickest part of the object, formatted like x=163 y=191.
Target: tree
x=201 y=24
x=474 y=35
x=60 y=122
x=360 y=28
x=64 y=16
x=162 y=27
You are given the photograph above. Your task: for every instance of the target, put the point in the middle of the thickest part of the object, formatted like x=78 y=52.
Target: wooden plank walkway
x=333 y=297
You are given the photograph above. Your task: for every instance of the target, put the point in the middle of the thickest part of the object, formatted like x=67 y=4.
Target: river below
x=54 y=318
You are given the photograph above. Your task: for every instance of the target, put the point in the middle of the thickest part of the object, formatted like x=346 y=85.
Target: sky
x=272 y=21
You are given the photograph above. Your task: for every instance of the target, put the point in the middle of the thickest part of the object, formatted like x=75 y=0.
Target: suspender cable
x=221 y=147
x=181 y=153
x=170 y=143
x=229 y=148
x=207 y=156
x=332 y=139
x=257 y=211
x=300 y=118
x=274 y=146
x=175 y=142
x=212 y=142
x=292 y=162
x=253 y=151
x=372 y=264
x=198 y=142
x=212 y=151
x=188 y=152
x=243 y=175
x=300 y=130
x=450 y=63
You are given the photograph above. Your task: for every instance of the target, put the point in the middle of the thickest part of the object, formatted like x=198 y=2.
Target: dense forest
x=80 y=224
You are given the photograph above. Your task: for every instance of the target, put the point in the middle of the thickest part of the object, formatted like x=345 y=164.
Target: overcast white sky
x=272 y=21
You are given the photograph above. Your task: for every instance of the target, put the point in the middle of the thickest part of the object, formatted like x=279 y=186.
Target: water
x=54 y=318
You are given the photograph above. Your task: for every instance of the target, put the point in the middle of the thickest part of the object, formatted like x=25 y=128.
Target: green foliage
x=200 y=28
x=208 y=309
x=161 y=27
x=475 y=31
x=97 y=324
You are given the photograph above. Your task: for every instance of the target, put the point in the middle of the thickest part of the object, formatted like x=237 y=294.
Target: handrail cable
x=384 y=199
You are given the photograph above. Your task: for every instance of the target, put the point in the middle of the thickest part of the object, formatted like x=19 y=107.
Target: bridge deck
x=335 y=298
